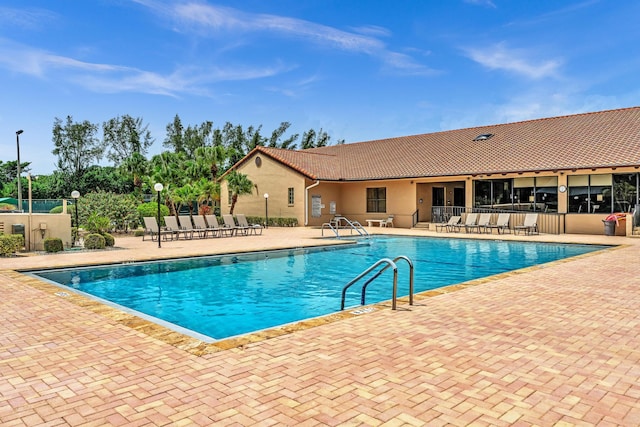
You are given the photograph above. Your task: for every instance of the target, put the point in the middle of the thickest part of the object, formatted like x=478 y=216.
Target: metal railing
x=548 y=222
x=389 y=264
x=340 y=222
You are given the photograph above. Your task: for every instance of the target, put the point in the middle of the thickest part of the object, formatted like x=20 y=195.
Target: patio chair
x=501 y=224
x=230 y=224
x=470 y=221
x=530 y=225
x=151 y=229
x=387 y=222
x=202 y=228
x=483 y=221
x=186 y=225
x=212 y=221
x=172 y=224
x=454 y=220
x=253 y=228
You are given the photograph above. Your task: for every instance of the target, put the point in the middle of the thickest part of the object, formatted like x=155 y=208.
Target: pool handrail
x=390 y=264
x=336 y=221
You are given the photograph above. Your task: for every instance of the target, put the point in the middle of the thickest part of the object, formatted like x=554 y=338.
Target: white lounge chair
x=483 y=221
x=448 y=226
x=470 y=221
x=501 y=225
x=530 y=225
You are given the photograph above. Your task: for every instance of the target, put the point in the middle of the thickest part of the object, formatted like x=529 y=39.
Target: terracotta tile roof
x=591 y=140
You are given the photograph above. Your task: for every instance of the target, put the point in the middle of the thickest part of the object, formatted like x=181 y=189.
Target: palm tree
x=209 y=192
x=238 y=184
x=136 y=166
x=212 y=158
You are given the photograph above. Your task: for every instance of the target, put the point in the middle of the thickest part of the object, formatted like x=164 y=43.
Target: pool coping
x=198 y=347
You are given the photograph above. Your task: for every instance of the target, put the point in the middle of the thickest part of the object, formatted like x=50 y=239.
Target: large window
x=376 y=199
x=493 y=194
x=625 y=192
x=590 y=193
x=531 y=194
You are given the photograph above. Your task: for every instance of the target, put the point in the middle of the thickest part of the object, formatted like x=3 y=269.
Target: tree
x=186 y=141
x=313 y=139
x=135 y=167
x=289 y=143
x=125 y=136
x=208 y=193
x=238 y=184
x=76 y=146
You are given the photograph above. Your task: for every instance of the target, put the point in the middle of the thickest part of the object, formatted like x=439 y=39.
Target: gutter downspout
x=306 y=202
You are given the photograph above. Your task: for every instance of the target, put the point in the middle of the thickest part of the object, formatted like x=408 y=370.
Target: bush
x=7 y=207
x=10 y=244
x=53 y=244
x=97 y=224
x=109 y=240
x=151 y=209
x=94 y=241
x=56 y=210
x=119 y=208
x=138 y=233
x=274 y=221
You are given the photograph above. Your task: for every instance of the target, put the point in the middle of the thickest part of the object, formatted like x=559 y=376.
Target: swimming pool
x=218 y=297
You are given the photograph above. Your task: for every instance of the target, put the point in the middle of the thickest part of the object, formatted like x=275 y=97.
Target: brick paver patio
x=556 y=345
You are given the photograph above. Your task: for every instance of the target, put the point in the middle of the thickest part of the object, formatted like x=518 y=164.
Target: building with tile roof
x=573 y=170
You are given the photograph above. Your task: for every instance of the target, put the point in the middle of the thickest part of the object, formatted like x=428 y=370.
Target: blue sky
x=360 y=70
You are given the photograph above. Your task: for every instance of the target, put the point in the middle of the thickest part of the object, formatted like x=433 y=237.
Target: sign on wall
x=316 y=206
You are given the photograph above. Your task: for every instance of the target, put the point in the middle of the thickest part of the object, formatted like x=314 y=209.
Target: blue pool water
x=223 y=296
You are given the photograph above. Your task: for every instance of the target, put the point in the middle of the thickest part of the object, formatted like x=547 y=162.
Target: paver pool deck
x=556 y=344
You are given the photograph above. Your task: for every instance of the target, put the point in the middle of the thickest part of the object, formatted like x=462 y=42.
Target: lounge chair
x=530 y=225
x=230 y=224
x=483 y=221
x=387 y=222
x=212 y=221
x=453 y=221
x=186 y=225
x=202 y=228
x=253 y=228
x=502 y=224
x=470 y=221
x=172 y=224
x=151 y=229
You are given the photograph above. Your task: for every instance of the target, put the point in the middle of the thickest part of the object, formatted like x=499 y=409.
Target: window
x=291 y=196
x=377 y=199
x=590 y=193
x=625 y=191
x=493 y=194
x=483 y=137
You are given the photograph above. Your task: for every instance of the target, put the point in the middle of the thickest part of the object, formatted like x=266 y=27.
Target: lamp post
x=18 y=132
x=266 y=210
x=76 y=195
x=158 y=187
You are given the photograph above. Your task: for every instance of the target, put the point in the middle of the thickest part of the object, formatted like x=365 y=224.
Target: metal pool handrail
x=390 y=264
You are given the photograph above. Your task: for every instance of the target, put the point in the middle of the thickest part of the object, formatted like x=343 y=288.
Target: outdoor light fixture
x=76 y=195
x=266 y=210
x=18 y=132
x=158 y=187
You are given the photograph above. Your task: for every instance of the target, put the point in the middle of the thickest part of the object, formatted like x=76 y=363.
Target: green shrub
x=109 y=240
x=274 y=221
x=7 y=207
x=53 y=244
x=94 y=241
x=10 y=244
x=56 y=210
x=138 y=232
x=151 y=209
x=97 y=224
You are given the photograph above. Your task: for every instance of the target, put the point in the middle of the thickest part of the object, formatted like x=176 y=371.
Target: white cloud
x=518 y=61
x=214 y=20
x=115 y=78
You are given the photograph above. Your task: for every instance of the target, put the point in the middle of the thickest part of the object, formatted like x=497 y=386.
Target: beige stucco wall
x=54 y=225
x=274 y=179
